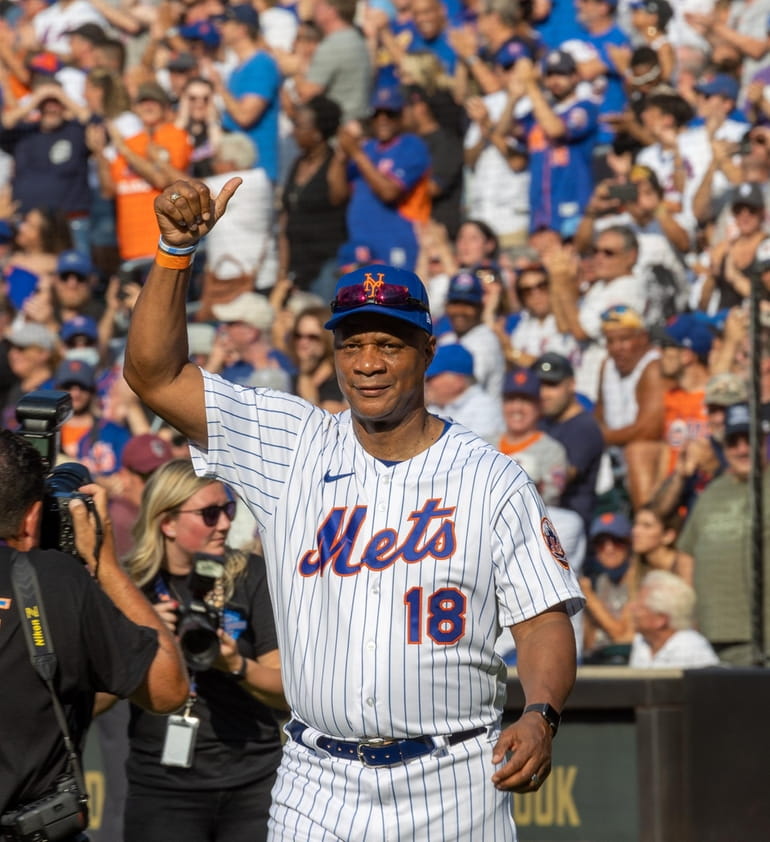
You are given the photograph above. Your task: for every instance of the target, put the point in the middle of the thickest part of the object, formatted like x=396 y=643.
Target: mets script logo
x=553 y=543
x=431 y=535
x=371 y=286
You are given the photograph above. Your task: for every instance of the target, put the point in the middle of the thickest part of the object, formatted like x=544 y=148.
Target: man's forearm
x=157 y=348
x=384 y=188
x=545 y=657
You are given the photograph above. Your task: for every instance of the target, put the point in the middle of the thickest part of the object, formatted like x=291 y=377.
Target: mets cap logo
x=371 y=285
x=553 y=543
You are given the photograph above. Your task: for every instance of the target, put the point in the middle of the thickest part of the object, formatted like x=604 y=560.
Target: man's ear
x=28 y=536
x=430 y=350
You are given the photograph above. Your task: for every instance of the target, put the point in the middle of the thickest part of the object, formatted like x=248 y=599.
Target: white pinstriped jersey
x=390 y=584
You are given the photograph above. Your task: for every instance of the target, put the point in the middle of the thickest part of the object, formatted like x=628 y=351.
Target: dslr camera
x=41 y=415
x=199 y=621
x=59 y=815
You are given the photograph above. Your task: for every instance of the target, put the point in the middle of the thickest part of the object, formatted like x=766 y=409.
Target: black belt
x=377 y=751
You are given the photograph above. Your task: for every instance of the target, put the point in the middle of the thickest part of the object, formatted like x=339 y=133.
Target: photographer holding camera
x=206 y=775
x=105 y=635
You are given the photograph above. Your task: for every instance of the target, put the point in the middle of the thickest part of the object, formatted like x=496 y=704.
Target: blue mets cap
x=521 y=382
x=79 y=326
x=74 y=261
x=719 y=85
x=686 y=331
x=453 y=358
x=384 y=290
x=615 y=524
x=388 y=98
x=202 y=30
x=77 y=372
x=465 y=286
x=242 y=13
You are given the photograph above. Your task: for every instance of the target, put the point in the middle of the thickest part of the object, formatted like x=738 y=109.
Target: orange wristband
x=173 y=261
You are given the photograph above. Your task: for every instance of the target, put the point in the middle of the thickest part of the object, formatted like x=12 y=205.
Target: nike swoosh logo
x=329 y=477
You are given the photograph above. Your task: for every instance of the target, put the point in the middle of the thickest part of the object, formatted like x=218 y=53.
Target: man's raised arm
x=157 y=365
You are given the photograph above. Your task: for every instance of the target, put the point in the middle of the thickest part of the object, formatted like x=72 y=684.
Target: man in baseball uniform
x=399 y=545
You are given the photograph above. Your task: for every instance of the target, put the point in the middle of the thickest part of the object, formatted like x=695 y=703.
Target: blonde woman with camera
x=205 y=774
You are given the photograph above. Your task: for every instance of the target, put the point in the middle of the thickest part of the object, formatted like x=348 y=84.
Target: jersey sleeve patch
x=553 y=543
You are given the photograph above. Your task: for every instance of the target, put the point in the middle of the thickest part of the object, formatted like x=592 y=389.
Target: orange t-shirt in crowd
x=684 y=418
x=137 y=228
x=510 y=449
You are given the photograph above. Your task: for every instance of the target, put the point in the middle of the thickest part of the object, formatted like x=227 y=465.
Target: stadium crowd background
x=583 y=188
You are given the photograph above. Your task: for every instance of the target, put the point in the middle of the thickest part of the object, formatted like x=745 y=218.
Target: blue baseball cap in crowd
x=737 y=419
x=661 y=8
x=352 y=255
x=559 y=62
x=202 y=30
x=615 y=524
x=74 y=261
x=453 y=358
x=77 y=372
x=686 y=331
x=242 y=13
x=385 y=290
x=521 y=382
x=467 y=287
x=719 y=85
x=79 y=326
x=388 y=98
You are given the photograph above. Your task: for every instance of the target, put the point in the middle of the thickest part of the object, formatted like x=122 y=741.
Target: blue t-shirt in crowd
x=259 y=75
x=50 y=168
x=561 y=178
x=101 y=450
x=385 y=228
x=439 y=46
x=561 y=24
x=614 y=99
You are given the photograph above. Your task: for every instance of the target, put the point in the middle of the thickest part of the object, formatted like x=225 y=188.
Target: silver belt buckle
x=376 y=742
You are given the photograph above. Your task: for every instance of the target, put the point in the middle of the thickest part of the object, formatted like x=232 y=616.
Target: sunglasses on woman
x=210 y=514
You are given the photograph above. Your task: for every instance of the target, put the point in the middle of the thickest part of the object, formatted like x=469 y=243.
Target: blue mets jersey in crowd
x=561 y=167
x=388 y=229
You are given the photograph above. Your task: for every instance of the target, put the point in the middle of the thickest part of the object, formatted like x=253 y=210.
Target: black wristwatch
x=240 y=673
x=548 y=712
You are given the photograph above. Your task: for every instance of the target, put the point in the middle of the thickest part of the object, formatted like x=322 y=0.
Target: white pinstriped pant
x=448 y=798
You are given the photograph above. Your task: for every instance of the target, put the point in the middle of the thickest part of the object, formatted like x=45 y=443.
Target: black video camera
x=198 y=621
x=41 y=415
x=59 y=815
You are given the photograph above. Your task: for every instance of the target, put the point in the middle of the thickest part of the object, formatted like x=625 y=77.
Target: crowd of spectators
x=582 y=187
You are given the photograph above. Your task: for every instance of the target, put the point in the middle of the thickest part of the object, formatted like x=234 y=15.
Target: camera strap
x=37 y=635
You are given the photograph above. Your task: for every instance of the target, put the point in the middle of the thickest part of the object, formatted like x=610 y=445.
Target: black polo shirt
x=98 y=649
